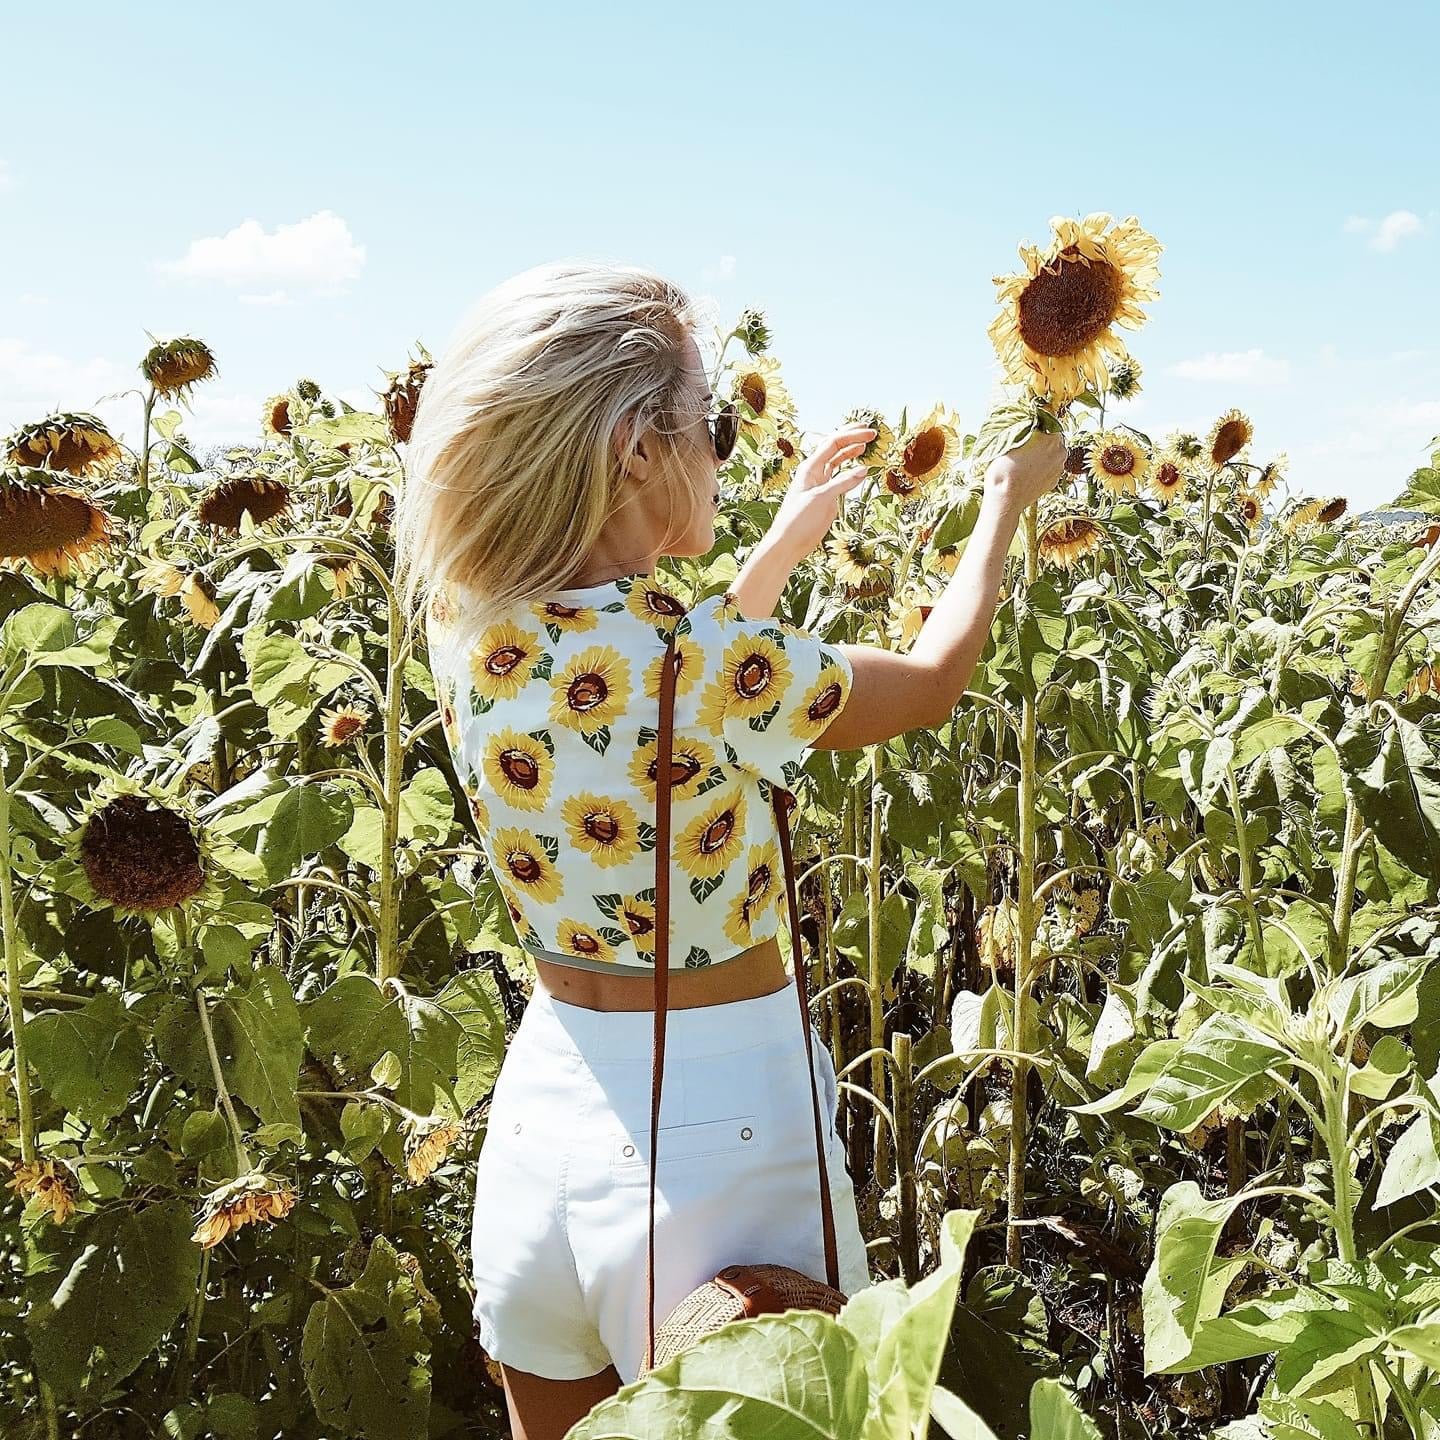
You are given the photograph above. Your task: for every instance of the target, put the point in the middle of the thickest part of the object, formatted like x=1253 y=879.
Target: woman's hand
x=813 y=500
x=1021 y=476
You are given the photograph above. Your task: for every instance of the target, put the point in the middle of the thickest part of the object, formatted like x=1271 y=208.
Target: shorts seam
x=562 y=1198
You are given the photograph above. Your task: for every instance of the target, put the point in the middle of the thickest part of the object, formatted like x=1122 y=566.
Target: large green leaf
x=1422 y=493
x=261 y=1044
x=89 y=1059
x=134 y=1272
x=1214 y=1063
x=1054 y=1415
x=473 y=999
x=307 y=819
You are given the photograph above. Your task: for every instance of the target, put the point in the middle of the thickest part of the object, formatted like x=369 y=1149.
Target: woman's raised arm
x=891 y=692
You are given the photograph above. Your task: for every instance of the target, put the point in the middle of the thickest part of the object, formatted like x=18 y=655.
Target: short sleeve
x=771 y=688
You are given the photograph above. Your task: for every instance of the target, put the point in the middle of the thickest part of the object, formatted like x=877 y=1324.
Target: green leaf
x=958 y=1420
x=1329 y=1341
x=1211 y=1066
x=131 y=1275
x=90 y=1059
x=1422 y=493
x=473 y=999
x=308 y=819
x=258 y=1034
x=1055 y=1415
x=427 y=809
x=1422 y=1341
x=1146 y=1071
x=1413 y=1162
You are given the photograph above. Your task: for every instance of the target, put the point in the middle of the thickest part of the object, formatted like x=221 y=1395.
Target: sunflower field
x=1131 y=970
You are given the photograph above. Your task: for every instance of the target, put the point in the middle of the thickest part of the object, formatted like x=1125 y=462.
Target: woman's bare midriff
x=756 y=971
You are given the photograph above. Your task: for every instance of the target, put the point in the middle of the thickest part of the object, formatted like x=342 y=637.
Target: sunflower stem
x=873 y=891
x=242 y=1155
x=387 y=940
x=14 y=998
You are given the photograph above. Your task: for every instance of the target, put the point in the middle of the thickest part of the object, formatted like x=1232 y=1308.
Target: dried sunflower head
x=49 y=527
x=402 y=398
x=247 y=1200
x=261 y=497
x=71 y=441
x=48 y=1182
x=426 y=1146
x=173 y=366
x=276 y=415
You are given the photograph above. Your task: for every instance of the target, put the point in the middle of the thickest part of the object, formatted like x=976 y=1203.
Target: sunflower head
x=779 y=459
x=1119 y=462
x=1067 y=538
x=760 y=394
x=1125 y=378
x=307 y=390
x=1077 y=460
x=49 y=526
x=344 y=568
x=1167 y=476
x=49 y=1182
x=1249 y=508
x=753 y=332
x=1187 y=446
x=402 y=398
x=161 y=577
x=858 y=564
x=877 y=452
x=198 y=596
x=1271 y=474
x=342 y=724
x=276 y=415
x=172 y=366
x=259 y=496
x=70 y=441
x=426 y=1145
x=926 y=451
x=248 y=1200
x=1228 y=436
x=1315 y=512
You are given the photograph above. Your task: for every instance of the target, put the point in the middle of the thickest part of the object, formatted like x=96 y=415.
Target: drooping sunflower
x=1426 y=680
x=1249 y=508
x=1119 y=462
x=519 y=767
x=426 y=1144
x=1271 y=474
x=527 y=862
x=779 y=459
x=712 y=840
x=501 y=660
x=342 y=723
x=1167 y=476
x=1065 y=540
x=650 y=601
x=877 y=454
x=198 y=595
x=924 y=453
x=247 y=1200
x=691 y=761
x=857 y=563
x=754 y=675
x=160 y=577
x=999 y=935
x=760 y=395
x=690 y=659
x=275 y=415
x=402 y=397
x=344 y=570
x=591 y=690
x=49 y=1182
x=173 y=366
x=1315 y=512
x=637 y=913
x=584 y=941
x=1125 y=378
x=259 y=496
x=1228 y=436
x=1057 y=316
x=820 y=703
x=606 y=830
x=69 y=440
x=50 y=527
x=141 y=850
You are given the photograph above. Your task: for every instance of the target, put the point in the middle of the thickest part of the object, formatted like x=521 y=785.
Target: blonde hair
x=512 y=470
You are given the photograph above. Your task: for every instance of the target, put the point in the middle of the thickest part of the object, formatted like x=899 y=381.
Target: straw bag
x=737 y=1291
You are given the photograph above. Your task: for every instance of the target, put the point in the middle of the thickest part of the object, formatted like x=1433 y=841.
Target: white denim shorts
x=558 y=1242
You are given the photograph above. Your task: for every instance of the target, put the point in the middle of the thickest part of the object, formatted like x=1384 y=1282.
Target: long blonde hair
x=511 y=470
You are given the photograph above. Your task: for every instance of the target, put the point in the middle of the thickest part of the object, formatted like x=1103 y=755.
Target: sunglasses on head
x=724 y=427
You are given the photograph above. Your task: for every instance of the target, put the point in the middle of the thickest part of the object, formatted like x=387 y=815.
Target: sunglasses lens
x=727 y=431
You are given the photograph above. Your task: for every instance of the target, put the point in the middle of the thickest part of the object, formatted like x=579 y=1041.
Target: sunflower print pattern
x=551 y=715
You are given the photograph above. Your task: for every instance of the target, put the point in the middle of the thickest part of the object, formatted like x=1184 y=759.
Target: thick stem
x=873 y=892
x=387 y=941
x=905 y=1159
x=242 y=1155
x=14 y=999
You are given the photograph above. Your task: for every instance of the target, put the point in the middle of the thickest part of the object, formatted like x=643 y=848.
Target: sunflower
x=142 y=850
x=502 y=659
x=738 y=921
x=343 y=569
x=651 y=602
x=402 y=398
x=1425 y=680
x=229 y=501
x=944 y=561
x=1057 y=317
x=1167 y=476
x=876 y=455
x=999 y=935
x=753 y=332
x=1067 y=539
x=244 y=1201
x=573 y=938
x=1118 y=462
x=1077 y=460
x=519 y=768
x=606 y=830
x=711 y=841
x=561 y=619
x=160 y=577
x=1125 y=378
x=927 y=451
x=1247 y=503
x=761 y=396
x=197 y=595
x=691 y=761
x=50 y=1183
x=342 y=723
x=275 y=415
x=50 y=527
x=528 y=863
x=908 y=612
x=754 y=675
x=1271 y=474
x=820 y=703
x=426 y=1145
x=71 y=441
x=172 y=366
x=762 y=876
x=857 y=563
x=1332 y=510
x=1315 y=512
x=591 y=691
x=1228 y=436
x=779 y=459
x=637 y=913
x=690 y=658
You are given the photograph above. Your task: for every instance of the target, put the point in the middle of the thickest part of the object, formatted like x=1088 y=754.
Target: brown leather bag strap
x=664 y=752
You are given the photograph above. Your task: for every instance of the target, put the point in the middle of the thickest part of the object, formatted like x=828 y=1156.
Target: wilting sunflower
x=877 y=454
x=691 y=762
x=426 y=1144
x=173 y=366
x=502 y=659
x=999 y=936
x=519 y=767
x=198 y=595
x=49 y=1182
x=527 y=861
x=160 y=577
x=1167 y=476
x=590 y=691
x=1271 y=474
x=259 y=496
x=71 y=441
x=779 y=460
x=1426 y=680
x=1315 y=512
x=1065 y=540
x=1249 y=508
x=245 y=1201
x=766 y=401
x=1057 y=317
x=606 y=830
x=1125 y=378
x=341 y=724
x=141 y=851
x=857 y=563
x=1080 y=907
x=712 y=840
x=1228 y=436
x=1119 y=462
x=49 y=527
x=924 y=453
x=402 y=397
x=344 y=569
x=275 y=417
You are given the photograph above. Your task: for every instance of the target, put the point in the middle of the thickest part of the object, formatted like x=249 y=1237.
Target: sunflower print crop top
x=551 y=712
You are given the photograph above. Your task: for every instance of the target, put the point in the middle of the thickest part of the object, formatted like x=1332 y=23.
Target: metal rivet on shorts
x=746 y=1132
x=628 y=1150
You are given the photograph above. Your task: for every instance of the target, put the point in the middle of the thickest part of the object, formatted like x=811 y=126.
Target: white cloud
x=1385 y=234
x=1252 y=367
x=724 y=269
x=317 y=254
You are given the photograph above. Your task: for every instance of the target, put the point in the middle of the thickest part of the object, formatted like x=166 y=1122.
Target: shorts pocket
x=694 y=1141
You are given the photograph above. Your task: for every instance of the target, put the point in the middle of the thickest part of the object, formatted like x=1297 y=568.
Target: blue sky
x=312 y=188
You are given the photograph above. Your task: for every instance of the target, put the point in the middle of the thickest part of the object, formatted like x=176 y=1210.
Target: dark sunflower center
x=752 y=387
x=1333 y=511
x=753 y=677
x=262 y=500
x=1168 y=474
x=924 y=452
x=785 y=448
x=142 y=857
x=1117 y=460
x=587 y=691
x=717 y=832
x=504 y=660
x=638 y=924
x=1075 y=460
x=1229 y=441
x=1068 y=305
x=40 y=520
x=825 y=703
x=897 y=482
x=519 y=768
x=561 y=612
x=759 y=881
x=663 y=604
x=602 y=826
x=585 y=942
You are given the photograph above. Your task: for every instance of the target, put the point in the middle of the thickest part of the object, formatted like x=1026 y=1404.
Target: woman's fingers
x=830 y=448
x=825 y=457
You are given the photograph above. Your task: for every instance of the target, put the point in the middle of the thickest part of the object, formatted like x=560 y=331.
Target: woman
x=564 y=443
